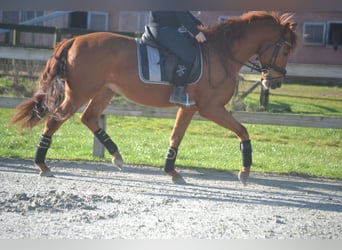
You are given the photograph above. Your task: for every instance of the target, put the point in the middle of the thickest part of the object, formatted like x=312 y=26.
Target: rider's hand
x=200 y=37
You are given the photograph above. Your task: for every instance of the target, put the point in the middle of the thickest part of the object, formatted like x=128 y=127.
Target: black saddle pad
x=156 y=65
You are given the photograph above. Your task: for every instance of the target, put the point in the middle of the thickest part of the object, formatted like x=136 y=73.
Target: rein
x=271 y=63
x=223 y=62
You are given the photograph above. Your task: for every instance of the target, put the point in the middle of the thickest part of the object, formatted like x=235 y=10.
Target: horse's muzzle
x=271 y=82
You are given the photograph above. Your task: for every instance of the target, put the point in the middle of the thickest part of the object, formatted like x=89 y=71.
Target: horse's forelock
x=287 y=20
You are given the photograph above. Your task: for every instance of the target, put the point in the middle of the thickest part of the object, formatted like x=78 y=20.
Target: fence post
x=264 y=97
x=98 y=148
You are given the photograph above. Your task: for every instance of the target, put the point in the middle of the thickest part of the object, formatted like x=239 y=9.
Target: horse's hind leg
x=91 y=116
x=52 y=124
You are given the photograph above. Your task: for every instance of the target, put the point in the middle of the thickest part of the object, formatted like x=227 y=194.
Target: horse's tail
x=50 y=92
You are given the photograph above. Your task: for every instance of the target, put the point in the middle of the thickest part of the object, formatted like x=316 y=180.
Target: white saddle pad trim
x=154 y=64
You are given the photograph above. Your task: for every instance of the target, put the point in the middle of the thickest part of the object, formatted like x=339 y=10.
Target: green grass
x=277 y=149
x=307 y=151
x=299 y=99
x=24 y=88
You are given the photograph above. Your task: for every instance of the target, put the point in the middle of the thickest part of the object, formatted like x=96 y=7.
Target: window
x=334 y=36
x=93 y=20
x=10 y=17
x=133 y=21
x=97 y=20
x=29 y=15
x=78 y=19
x=314 y=33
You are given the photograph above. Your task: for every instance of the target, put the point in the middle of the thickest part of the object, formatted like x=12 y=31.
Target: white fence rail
x=131 y=109
x=244 y=117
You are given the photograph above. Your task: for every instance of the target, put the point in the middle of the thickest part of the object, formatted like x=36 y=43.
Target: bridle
x=271 y=63
x=255 y=66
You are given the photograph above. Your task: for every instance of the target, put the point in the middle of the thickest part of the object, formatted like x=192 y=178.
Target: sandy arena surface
x=96 y=201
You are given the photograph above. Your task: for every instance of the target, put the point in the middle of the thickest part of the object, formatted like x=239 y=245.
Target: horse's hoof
x=177 y=178
x=117 y=160
x=46 y=173
x=118 y=163
x=243 y=177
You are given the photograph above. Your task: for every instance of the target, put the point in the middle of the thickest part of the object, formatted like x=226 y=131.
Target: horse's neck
x=245 y=48
x=242 y=52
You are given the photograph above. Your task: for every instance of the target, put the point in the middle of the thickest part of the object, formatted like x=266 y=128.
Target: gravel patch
x=95 y=201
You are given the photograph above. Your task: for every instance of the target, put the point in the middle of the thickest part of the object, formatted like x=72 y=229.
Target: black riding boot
x=179 y=94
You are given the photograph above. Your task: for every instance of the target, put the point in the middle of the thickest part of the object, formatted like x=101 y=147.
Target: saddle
x=156 y=64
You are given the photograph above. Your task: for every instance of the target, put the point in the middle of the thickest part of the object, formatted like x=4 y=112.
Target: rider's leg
x=179 y=94
x=182 y=46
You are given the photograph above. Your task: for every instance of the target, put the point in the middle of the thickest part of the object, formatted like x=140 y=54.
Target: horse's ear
x=291 y=26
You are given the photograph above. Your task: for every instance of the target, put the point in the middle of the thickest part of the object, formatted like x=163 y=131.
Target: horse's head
x=270 y=35
x=274 y=55
x=273 y=63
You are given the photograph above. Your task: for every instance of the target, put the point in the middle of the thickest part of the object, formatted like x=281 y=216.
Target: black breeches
x=180 y=44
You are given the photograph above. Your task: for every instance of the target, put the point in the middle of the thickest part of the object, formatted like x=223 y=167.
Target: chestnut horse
x=92 y=68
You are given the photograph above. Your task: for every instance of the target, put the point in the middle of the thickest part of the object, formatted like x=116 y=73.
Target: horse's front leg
x=222 y=117
x=246 y=151
x=184 y=116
